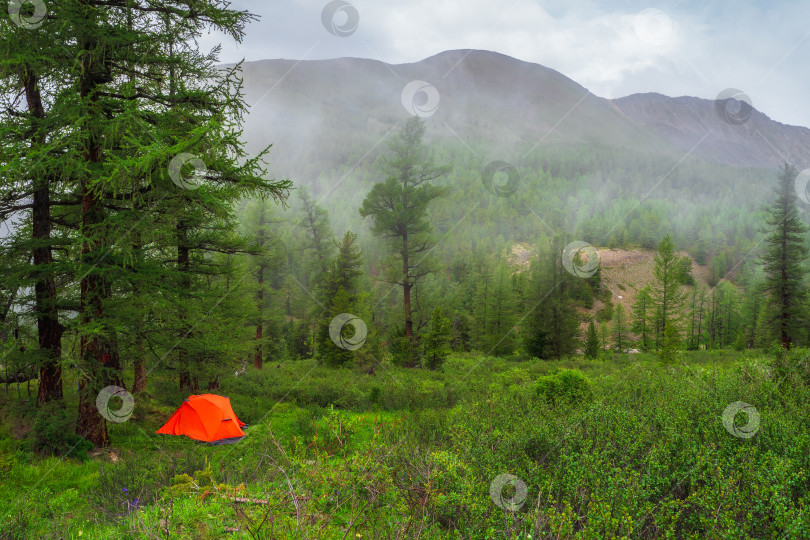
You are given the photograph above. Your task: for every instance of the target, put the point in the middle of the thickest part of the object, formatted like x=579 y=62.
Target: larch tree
x=341 y=295
x=643 y=318
x=666 y=293
x=550 y=324
x=784 y=261
x=271 y=264
x=620 y=338
x=33 y=136
x=320 y=240
x=591 y=342
x=437 y=340
x=114 y=129
x=398 y=211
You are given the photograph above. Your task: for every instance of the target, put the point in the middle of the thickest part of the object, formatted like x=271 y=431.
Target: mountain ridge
x=318 y=111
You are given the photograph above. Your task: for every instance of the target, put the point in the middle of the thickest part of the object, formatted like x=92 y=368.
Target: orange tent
x=207 y=417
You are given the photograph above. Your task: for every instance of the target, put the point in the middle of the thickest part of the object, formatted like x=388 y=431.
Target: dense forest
x=147 y=256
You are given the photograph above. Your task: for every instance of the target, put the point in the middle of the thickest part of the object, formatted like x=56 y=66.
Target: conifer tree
x=643 y=318
x=784 y=261
x=341 y=295
x=550 y=324
x=620 y=338
x=127 y=93
x=320 y=240
x=666 y=293
x=398 y=210
x=591 y=345
x=437 y=340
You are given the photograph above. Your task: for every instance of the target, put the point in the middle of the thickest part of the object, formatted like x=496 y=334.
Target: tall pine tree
x=398 y=210
x=784 y=261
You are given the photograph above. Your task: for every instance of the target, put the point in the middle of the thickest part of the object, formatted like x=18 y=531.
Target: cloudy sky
x=612 y=47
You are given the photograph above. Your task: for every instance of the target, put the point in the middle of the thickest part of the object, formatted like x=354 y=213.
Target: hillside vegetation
x=637 y=450
x=528 y=313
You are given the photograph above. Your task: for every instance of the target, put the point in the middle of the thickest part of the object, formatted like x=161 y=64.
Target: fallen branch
x=248 y=500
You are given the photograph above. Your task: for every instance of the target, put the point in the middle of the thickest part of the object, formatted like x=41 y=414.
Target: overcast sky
x=612 y=47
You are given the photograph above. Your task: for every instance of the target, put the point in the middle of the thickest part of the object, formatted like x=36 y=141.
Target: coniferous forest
x=419 y=339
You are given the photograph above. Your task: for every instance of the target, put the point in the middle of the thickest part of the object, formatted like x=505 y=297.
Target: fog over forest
x=342 y=269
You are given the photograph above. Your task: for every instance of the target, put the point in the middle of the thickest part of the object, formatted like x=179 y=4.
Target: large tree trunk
x=187 y=381
x=49 y=330
x=91 y=425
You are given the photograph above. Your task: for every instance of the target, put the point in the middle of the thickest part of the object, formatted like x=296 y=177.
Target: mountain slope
x=689 y=122
x=322 y=113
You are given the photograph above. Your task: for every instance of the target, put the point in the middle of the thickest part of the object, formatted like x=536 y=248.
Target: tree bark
x=187 y=381
x=90 y=424
x=49 y=330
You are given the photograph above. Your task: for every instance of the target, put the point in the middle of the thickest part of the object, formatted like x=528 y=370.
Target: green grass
x=413 y=453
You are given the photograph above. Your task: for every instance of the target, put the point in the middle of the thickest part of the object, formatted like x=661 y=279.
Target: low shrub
x=54 y=433
x=568 y=386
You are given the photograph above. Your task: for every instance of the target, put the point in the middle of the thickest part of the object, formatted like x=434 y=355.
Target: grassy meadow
x=618 y=447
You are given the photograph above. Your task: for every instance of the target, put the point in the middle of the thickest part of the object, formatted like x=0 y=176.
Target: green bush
x=404 y=351
x=569 y=386
x=54 y=433
x=791 y=366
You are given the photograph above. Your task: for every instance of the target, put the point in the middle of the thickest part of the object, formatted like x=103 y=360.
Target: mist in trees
x=147 y=241
x=120 y=258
